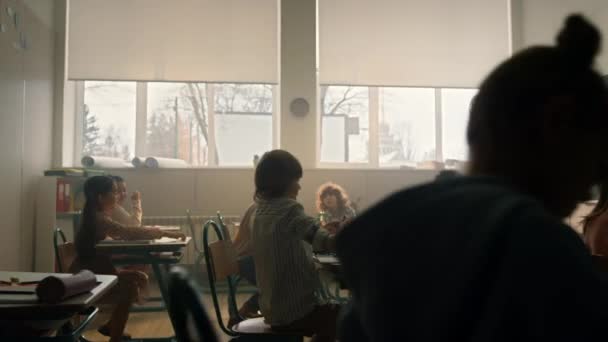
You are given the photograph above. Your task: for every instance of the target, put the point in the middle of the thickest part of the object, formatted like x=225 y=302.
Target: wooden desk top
x=169 y=228
x=118 y=247
x=28 y=302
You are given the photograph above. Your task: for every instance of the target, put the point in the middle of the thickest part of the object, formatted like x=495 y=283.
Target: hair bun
x=579 y=40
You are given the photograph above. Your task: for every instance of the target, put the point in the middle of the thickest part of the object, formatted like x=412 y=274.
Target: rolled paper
x=137 y=162
x=53 y=289
x=157 y=162
x=103 y=162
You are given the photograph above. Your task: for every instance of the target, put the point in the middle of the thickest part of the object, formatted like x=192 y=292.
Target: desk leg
x=161 y=272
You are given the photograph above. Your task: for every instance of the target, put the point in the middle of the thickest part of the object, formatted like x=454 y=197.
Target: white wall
x=542 y=19
x=204 y=191
x=26 y=102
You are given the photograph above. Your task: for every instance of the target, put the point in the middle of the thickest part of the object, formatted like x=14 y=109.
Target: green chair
x=190 y=320
x=221 y=261
x=65 y=252
x=222 y=223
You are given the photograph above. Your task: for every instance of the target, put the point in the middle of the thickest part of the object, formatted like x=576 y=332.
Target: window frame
x=374 y=126
x=141 y=120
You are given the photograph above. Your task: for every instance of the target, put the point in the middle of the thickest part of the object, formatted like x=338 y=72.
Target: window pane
x=186 y=105
x=345 y=124
x=109 y=119
x=243 y=122
x=406 y=130
x=243 y=98
x=455 y=105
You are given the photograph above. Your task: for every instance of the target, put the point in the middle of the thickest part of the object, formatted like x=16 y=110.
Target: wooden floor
x=157 y=324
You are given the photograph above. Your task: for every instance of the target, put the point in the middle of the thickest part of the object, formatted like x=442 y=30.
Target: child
x=285 y=271
x=595 y=225
x=119 y=214
x=101 y=194
x=333 y=204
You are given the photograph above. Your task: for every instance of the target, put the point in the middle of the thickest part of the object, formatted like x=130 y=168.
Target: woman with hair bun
x=485 y=256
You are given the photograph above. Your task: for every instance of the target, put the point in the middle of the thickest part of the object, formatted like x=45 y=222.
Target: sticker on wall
x=17 y=20
x=2 y=28
x=23 y=41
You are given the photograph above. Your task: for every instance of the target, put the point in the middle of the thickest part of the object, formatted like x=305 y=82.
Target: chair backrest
x=193 y=231
x=221 y=262
x=65 y=252
x=186 y=310
x=222 y=223
x=224 y=258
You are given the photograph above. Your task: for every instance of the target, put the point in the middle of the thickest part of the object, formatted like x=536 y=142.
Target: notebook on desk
x=139 y=242
x=125 y=242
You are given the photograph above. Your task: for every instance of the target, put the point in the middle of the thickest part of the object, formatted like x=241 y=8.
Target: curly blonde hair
x=330 y=188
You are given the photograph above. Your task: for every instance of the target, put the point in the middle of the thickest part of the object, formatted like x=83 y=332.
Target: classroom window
x=344 y=124
x=243 y=113
x=178 y=120
x=108 y=119
x=410 y=126
x=406 y=126
x=455 y=105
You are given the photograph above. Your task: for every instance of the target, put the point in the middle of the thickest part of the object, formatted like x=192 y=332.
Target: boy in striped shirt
x=283 y=237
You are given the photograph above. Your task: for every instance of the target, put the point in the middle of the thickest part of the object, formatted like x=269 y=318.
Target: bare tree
x=193 y=93
x=349 y=100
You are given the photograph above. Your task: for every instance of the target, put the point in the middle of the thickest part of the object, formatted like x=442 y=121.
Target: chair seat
x=258 y=326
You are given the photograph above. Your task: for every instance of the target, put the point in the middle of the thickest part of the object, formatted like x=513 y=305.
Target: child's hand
x=175 y=235
x=333 y=227
x=136 y=196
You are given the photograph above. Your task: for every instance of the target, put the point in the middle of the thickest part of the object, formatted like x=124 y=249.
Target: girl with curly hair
x=333 y=204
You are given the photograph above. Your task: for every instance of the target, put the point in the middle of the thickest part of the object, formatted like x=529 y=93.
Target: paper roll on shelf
x=103 y=162
x=137 y=162
x=161 y=163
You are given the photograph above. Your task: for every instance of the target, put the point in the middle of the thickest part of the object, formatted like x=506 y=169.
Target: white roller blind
x=431 y=43
x=173 y=40
x=542 y=19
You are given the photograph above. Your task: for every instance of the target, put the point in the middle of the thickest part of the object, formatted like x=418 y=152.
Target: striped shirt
x=282 y=237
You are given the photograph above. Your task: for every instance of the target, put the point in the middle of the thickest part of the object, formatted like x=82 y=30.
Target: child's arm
x=307 y=229
x=116 y=230
x=136 y=211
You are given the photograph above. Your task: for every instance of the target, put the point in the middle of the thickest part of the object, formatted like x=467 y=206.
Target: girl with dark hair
x=282 y=237
x=96 y=225
x=595 y=225
x=486 y=256
x=333 y=204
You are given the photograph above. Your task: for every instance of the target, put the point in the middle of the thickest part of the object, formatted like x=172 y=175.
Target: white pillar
x=298 y=60
x=64 y=97
x=515 y=25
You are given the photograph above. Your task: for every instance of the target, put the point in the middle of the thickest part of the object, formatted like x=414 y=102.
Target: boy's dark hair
x=275 y=173
x=117 y=179
x=505 y=118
